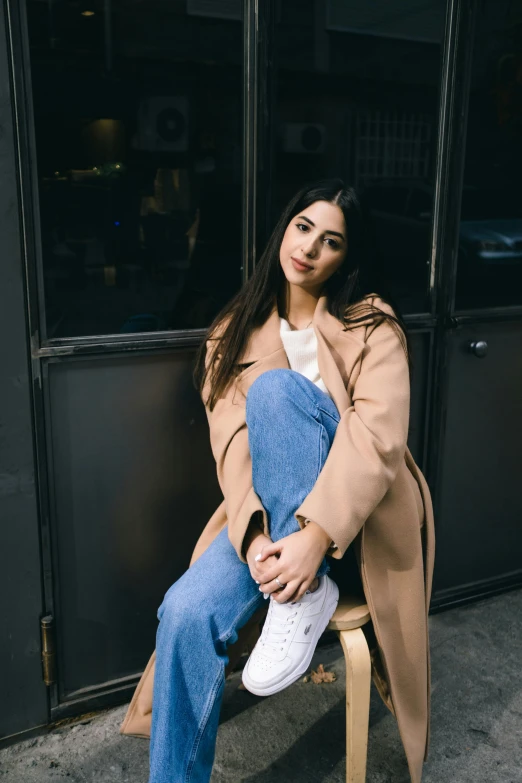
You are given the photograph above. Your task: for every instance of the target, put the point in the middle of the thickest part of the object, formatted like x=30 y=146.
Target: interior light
x=88 y=13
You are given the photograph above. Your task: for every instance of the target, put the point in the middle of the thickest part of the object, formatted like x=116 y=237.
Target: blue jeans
x=291 y=424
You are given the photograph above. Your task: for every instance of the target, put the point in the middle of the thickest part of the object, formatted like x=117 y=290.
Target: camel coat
x=370 y=495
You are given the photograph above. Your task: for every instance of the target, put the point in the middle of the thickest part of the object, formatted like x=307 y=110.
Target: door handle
x=479 y=348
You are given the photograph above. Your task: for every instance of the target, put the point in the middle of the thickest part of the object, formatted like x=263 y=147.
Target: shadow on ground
x=297 y=736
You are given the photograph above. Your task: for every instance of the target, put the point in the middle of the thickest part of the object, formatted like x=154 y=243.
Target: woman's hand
x=300 y=555
x=254 y=545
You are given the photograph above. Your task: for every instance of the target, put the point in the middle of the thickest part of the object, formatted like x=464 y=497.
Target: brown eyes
x=332 y=242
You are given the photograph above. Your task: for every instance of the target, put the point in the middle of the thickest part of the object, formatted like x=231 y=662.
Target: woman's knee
x=269 y=391
x=179 y=605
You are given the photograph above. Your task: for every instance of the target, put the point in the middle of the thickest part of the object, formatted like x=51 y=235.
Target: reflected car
x=490 y=228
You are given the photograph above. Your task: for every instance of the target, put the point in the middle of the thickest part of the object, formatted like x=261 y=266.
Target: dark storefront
x=146 y=148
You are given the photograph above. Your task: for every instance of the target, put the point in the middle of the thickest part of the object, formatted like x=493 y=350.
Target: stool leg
x=358 y=679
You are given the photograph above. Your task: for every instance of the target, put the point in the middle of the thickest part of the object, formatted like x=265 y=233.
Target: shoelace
x=278 y=621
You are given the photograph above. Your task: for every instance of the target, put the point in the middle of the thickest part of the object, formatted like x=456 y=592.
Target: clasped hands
x=294 y=560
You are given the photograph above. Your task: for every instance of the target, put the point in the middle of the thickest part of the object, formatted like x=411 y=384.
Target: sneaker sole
x=269 y=690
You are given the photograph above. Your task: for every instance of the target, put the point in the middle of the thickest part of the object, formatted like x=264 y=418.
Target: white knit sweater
x=301 y=349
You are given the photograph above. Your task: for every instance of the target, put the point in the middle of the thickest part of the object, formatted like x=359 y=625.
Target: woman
x=305 y=379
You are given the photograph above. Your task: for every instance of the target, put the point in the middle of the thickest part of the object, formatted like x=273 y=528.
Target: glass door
x=479 y=536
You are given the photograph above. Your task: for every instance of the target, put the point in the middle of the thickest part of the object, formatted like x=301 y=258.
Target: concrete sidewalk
x=298 y=735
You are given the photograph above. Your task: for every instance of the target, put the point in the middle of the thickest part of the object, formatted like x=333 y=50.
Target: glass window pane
x=357 y=97
x=138 y=124
x=489 y=269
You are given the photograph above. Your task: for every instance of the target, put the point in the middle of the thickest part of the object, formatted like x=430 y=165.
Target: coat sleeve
x=369 y=443
x=229 y=444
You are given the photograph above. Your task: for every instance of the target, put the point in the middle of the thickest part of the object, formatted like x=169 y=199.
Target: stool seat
x=352 y=612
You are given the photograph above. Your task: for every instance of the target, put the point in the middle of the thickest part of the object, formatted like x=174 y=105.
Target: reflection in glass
x=138 y=134
x=357 y=97
x=489 y=269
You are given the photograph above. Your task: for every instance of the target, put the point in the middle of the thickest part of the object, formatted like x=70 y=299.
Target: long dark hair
x=253 y=303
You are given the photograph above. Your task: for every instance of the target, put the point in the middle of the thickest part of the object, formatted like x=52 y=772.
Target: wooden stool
x=350 y=615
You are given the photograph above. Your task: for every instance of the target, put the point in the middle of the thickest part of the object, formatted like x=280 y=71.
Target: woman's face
x=314 y=246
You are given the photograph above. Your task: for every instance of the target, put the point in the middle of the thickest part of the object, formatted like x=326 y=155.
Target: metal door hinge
x=48 y=649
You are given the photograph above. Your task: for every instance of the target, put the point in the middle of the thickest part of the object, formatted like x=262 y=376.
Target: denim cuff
x=323 y=568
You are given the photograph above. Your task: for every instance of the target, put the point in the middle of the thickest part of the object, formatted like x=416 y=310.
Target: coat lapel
x=337 y=352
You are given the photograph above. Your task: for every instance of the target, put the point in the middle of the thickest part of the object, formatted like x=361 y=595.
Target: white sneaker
x=288 y=640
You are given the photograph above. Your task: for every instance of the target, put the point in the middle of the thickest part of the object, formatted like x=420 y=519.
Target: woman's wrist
x=319 y=534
